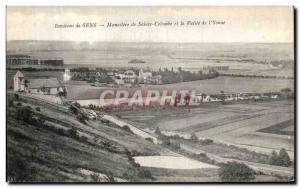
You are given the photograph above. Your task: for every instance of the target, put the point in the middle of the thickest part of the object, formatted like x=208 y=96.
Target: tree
x=273 y=158
x=16 y=96
x=157 y=131
x=283 y=158
x=73 y=132
x=236 y=172
x=280 y=159
x=24 y=114
x=73 y=110
x=179 y=69
x=194 y=137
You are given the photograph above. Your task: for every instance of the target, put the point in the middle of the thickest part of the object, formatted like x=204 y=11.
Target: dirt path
x=265 y=168
x=135 y=130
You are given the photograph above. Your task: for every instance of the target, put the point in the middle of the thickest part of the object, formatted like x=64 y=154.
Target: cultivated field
x=237 y=124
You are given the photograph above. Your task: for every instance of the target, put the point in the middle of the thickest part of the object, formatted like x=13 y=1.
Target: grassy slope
x=56 y=157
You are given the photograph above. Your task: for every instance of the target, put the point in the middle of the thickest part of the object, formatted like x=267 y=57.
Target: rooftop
x=43 y=82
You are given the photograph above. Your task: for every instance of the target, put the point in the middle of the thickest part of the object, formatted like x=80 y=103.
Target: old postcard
x=150 y=94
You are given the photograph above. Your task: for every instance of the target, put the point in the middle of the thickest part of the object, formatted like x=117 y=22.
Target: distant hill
x=136 y=61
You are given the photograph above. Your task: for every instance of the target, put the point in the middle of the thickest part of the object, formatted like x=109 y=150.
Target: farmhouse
x=45 y=86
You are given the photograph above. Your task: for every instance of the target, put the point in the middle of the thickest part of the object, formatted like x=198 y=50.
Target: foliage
x=127 y=129
x=169 y=76
x=149 y=139
x=81 y=118
x=109 y=177
x=19 y=170
x=73 y=133
x=16 y=96
x=157 y=131
x=95 y=177
x=38 y=109
x=24 y=114
x=280 y=159
x=73 y=110
x=194 y=137
x=206 y=141
x=236 y=172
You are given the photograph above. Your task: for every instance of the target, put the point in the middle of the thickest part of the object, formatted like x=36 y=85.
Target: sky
x=242 y=24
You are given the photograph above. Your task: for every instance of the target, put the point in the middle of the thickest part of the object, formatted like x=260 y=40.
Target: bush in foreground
x=236 y=172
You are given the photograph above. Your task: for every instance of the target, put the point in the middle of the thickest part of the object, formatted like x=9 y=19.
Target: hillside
x=51 y=145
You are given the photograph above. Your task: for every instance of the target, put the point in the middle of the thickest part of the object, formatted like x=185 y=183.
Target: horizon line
x=147 y=41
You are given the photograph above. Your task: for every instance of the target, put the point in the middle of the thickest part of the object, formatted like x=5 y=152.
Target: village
x=132 y=82
x=116 y=96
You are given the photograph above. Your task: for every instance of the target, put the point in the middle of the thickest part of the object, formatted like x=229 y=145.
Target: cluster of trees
x=236 y=172
x=137 y=171
x=170 y=76
x=280 y=159
x=256 y=76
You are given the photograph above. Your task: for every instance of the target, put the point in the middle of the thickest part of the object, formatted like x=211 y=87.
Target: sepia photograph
x=150 y=94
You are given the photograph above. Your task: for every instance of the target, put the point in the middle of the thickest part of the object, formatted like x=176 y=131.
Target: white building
x=144 y=76
x=19 y=81
x=67 y=75
x=46 y=86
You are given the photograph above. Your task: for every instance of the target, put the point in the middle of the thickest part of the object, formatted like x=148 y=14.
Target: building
x=20 y=59
x=129 y=76
x=67 y=75
x=45 y=86
x=19 y=81
x=144 y=76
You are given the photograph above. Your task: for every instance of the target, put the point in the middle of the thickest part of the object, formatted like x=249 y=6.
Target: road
x=135 y=130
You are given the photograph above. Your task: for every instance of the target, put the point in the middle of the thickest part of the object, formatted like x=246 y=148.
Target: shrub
x=24 y=114
x=16 y=96
x=82 y=118
x=73 y=110
x=38 y=109
x=20 y=170
x=126 y=128
x=109 y=177
x=194 y=137
x=157 y=131
x=149 y=139
x=73 y=133
x=280 y=159
x=95 y=177
x=83 y=139
x=206 y=141
x=10 y=102
x=143 y=173
x=19 y=104
x=236 y=172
